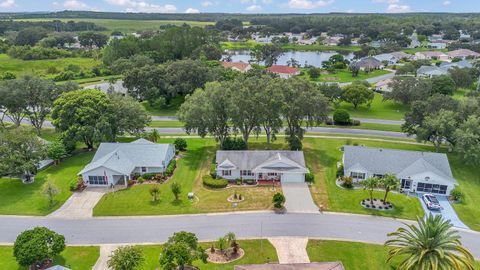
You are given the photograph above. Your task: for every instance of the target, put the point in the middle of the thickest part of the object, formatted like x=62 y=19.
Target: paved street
x=116 y=230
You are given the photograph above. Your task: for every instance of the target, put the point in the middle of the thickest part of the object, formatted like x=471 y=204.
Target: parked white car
x=431 y=202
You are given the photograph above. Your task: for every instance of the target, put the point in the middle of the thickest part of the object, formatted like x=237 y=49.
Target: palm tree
x=154 y=136
x=389 y=182
x=370 y=184
x=429 y=245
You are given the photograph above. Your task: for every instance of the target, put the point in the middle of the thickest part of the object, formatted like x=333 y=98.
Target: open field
x=17 y=198
x=256 y=252
x=129 y=25
x=379 y=109
x=39 y=67
x=78 y=258
x=344 y=76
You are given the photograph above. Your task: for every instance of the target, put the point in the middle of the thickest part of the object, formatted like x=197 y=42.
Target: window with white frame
x=357 y=175
x=246 y=173
x=226 y=172
x=144 y=169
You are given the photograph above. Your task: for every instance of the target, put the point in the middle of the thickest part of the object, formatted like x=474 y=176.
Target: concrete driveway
x=80 y=204
x=447 y=211
x=298 y=198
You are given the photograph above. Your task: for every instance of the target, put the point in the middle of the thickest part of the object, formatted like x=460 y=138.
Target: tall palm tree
x=429 y=245
x=370 y=184
x=389 y=182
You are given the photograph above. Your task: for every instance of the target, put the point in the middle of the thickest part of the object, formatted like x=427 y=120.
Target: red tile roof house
x=462 y=53
x=283 y=71
x=238 y=66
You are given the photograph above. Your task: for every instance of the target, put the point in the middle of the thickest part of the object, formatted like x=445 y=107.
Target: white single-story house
x=431 y=55
x=419 y=172
x=284 y=166
x=116 y=163
x=116 y=87
x=386 y=57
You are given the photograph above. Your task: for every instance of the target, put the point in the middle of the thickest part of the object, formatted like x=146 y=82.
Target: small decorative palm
x=429 y=245
x=370 y=184
x=389 y=182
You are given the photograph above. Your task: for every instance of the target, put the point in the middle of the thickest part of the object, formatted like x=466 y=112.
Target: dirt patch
x=228 y=256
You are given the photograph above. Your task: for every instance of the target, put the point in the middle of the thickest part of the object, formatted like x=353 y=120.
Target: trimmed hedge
x=148 y=176
x=208 y=181
x=171 y=167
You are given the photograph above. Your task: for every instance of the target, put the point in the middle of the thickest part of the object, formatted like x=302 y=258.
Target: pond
x=303 y=57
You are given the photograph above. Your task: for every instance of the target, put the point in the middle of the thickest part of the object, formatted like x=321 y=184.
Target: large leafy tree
x=467 y=140
x=431 y=244
x=126 y=258
x=129 y=116
x=91 y=39
x=357 y=94
x=302 y=105
x=269 y=106
x=438 y=128
x=147 y=83
x=180 y=250
x=443 y=84
x=37 y=245
x=84 y=115
x=20 y=151
x=13 y=101
x=408 y=89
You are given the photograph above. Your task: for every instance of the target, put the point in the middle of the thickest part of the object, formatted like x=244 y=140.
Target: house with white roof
x=419 y=172
x=116 y=163
x=283 y=166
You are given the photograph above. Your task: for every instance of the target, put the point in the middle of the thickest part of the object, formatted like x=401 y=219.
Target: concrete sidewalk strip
x=80 y=204
x=291 y=249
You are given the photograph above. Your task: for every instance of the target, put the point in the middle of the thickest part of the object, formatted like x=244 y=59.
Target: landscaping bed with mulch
x=224 y=257
x=236 y=198
x=377 y=205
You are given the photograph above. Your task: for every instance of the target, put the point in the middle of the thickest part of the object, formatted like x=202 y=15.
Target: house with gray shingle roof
x=116 y=163
x=284 y=166
x=430 y=71
x=420 y=172
x=370 y=63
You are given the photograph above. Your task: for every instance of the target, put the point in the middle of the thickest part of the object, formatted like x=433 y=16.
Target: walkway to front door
x=298 y=198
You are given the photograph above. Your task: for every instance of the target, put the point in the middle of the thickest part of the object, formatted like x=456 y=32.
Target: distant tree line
x=50 y=26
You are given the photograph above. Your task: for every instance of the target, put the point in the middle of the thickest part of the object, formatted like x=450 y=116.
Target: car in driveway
x=431 y=202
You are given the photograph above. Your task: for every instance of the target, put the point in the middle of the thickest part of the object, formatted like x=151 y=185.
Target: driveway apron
x=447 y=211
x=298 y=198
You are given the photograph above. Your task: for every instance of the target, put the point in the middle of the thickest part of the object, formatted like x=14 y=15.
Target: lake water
x=303 y=57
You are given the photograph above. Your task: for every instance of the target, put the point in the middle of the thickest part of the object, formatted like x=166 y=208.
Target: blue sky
x=245 y=6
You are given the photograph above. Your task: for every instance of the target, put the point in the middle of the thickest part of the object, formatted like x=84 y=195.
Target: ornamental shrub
x=341 y=117
x=171 y=167
x=180 y=144
x=208 y=181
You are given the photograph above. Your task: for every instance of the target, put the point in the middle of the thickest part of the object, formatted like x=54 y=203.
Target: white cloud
x=75 y=5
x=207 y=3
x=192 y=10
x=446 y=3
x=307 y=4
x=395 y=8
x=7 y=4
x=142 y=6
x=254 y=8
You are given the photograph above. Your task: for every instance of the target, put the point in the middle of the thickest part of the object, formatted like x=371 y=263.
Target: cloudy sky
x=244 y=6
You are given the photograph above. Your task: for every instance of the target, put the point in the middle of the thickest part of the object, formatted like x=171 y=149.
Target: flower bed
x=228 y=256
x=377 y=205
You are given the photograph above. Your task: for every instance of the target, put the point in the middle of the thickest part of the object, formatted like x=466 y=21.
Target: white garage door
x=293 y=178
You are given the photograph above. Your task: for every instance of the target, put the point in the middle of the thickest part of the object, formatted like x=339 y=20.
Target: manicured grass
x=129 y=26
x=49 y=134
x=461 y=93
x=344 y=76
x=422 y=49
x=170 y=110
x=256 y=252
x=17 y=198
x=165 y=124
x=195 y=163
x=250 y=44
x=39 y=67
x=78 y=258
x=323 y=156
x=379 y=109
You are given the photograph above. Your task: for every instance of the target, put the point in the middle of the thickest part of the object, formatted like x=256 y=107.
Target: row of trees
x=250 y=104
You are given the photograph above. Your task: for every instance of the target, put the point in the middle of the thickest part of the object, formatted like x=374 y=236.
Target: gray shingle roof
x=249 y=160
x=124 y=157
x=431 y=71
x=369 y=62
x=400 y=162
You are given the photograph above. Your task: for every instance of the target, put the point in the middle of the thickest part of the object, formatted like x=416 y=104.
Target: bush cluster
x=171 y=167
x=234 y=144
x=210 y=182
x=37 y=53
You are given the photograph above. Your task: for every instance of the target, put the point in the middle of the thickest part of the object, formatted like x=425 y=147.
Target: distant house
x=383 y=86
x=435 y=37
x=430 y=71
x=415 y=43
x=309 y=41
x=420 y=172
x=284 y=166
x=284 y=71
x=58 y=267
x=238 y=66
x=116 y=87
x=331 y=41
x=401 y=55
x=292 y=266
x=115 y=163
x=462 y=53
x=438 y=44
x=429 y=55
x=387 y=58
x=460 y=64
x=370 y=63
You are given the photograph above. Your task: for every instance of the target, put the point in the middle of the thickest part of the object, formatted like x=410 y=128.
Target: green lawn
x=170 y=110
x=250 y=44
x=39 y=67
x=256 y=252
x=344 y=76
x=77 y=258
x=422 y=49
x=379 y=109
x=128 y=26
x=323 y=156
x=17 y=198
x=195 y=163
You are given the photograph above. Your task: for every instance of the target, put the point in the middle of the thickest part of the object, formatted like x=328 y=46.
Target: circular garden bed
x=377 y=205
x=224 y=257
x=236 y=198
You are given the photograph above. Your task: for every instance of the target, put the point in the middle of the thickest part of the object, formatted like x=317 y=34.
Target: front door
x=406 y=184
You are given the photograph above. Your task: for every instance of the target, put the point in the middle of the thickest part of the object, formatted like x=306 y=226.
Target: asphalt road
x=115 y=230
